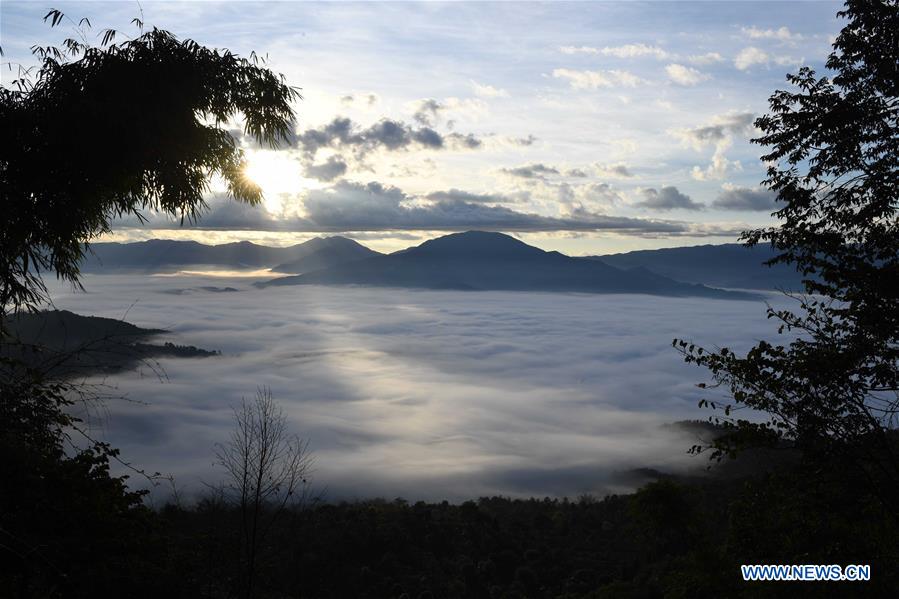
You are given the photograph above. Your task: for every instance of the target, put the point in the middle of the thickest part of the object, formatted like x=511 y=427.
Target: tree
x=102 y=132
x=266 y=469
x=833 y=387
x=97 y=133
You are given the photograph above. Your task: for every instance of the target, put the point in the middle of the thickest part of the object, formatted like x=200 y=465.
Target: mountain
x=64 y=343
x=338 y=250
x=167 y=255
x=479 y=260
x=730 y=265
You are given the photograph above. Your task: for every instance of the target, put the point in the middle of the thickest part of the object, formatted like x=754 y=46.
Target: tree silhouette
x=102 y=132
x=266 y=468
x=98 y=133
x=833 y=156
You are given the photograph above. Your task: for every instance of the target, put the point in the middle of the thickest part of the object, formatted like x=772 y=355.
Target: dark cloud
x=350 y=206
x=524 y=141
x=576 y=172
x=532 y=171
x=387 y=134
x=746 y=198
x=466 y=196
x=719 y=130
x=329 y=170
x=367 y=99
x=464 y=141
x=427 y=112
x=338 y=131
x=668 y=198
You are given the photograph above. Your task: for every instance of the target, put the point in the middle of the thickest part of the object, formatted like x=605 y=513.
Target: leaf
x=55 y=17
x=108 y=37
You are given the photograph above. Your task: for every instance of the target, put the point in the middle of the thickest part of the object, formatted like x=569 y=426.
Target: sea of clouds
x=418 y=394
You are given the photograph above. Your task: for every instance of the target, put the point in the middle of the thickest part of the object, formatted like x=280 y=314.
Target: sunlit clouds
x=434 y=98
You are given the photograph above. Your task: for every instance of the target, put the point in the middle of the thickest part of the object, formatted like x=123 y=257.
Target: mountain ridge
x=730 y=265
x=166 y=254
x=479 y=260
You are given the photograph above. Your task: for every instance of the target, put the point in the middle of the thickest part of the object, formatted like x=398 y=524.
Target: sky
x=418 y=394
x=588 y=128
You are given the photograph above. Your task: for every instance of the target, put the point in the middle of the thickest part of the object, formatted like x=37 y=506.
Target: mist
x=416 y=394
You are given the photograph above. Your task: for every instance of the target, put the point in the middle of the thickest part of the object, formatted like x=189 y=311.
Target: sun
x=277 y=174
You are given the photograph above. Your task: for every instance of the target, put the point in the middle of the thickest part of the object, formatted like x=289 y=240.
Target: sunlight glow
x=277 y=174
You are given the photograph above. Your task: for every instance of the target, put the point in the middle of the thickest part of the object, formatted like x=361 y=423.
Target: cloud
x=718 y=168
x=625 y=51
x=718 y=132
x=427 y=112
x=532 y=171
x=755 y=199
x=522 y=141
x=751 y=56
x=686 y=76
x=619 y=170
x=487 y=91
x=624 y=146
x=466 y=141
x=601 y=194
x=386 y=134
x=597 y=79
x=426 y=395
x=719 y=129
x=667 y=198
x=329 y=170
x=366 y=99
x=704 y=59
x=782 y=34
x=457 y=195
x=350 y=206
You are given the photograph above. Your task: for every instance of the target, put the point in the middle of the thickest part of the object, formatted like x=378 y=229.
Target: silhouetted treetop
x=833 y=387
x=834 y=163
x=102 y=132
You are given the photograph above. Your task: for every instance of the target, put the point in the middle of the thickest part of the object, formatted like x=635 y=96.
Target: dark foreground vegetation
x=71 y=531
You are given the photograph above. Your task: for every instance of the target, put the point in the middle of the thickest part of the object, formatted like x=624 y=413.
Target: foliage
x=673 y=538
x=67 y=527
x=103 y=132
x=833 y=387
x=98 y=133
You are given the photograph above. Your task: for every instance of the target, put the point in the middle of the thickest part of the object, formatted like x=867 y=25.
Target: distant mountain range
x=730 y=265
x=493 y=261
x=160 y=255
x=472 y=260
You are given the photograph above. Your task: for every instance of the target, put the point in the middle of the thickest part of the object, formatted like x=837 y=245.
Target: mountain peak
x=475 y=243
